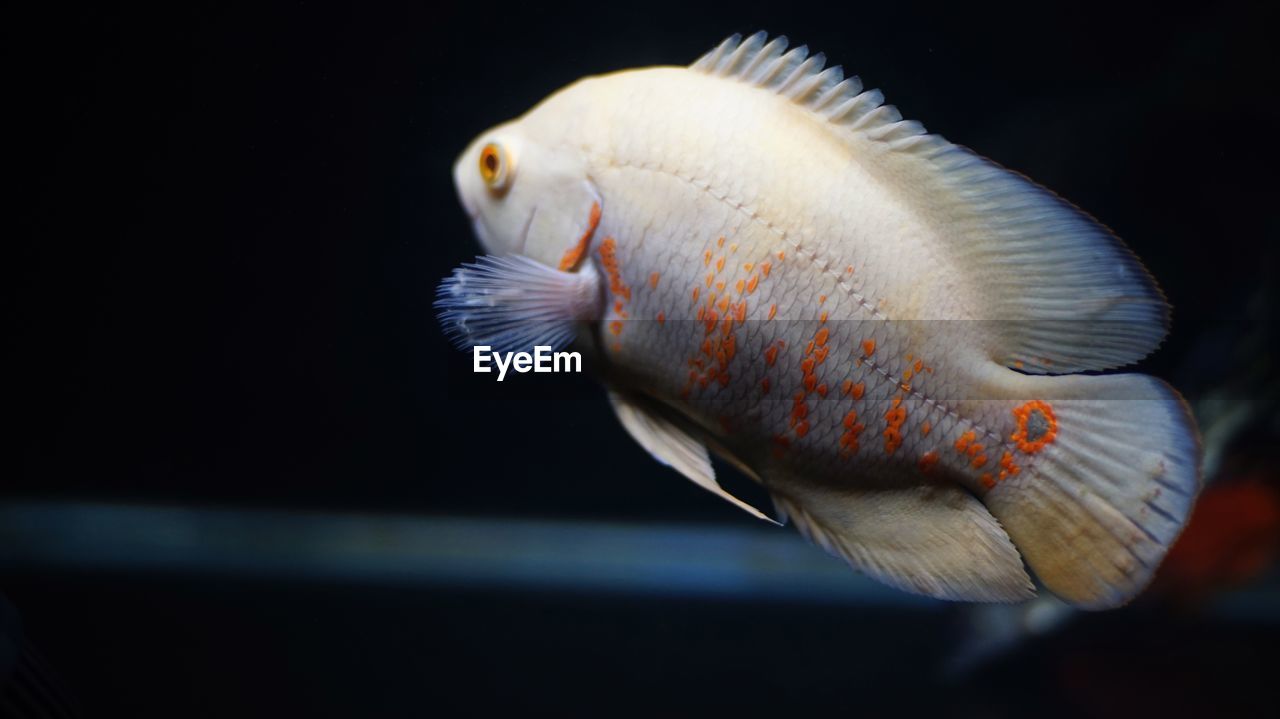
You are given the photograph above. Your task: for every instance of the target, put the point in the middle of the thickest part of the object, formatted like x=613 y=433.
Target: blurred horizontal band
x=749 y=563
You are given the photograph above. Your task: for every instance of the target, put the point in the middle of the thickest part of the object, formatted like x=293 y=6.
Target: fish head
x=526 y=188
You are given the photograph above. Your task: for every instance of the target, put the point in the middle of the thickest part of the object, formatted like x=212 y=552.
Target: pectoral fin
x=934 y=540
x=673 y=446
x=514 y=303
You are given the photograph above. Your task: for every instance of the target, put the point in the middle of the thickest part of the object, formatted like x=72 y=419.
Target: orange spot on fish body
x=720 y=242
x=1007 y=467
x=821 y=389
x=820 y=354
x=849 y=270
x=574 y=254
x=662 y=318
x=720 y=264
x=773 y=310
x=1023 y=415
x=771 y=355
x=782 y=256
x=740 y=285
x=723 y=304
x=706 y=258
x=802 y=429
x=979 y=462
x=748 y=266
x=822 y=318
x=918 y=366
x=927 y=461
x=751 y=283
x=609 y=258
x=846 y=387
x=858 y=390
x=710 y=278
x=849 y=440
x=764 y=269
x=712 y=317
x=926 y=428
x=720 y=286
x=653 y=280
x=616 y=327
x=764 y=385
x=868 y=347
x=733 y=248
x=799 y=410
x=696 y=290
x=895 y=417
x=740 y=312
x=822 y=299
x=962 y=444
x=986 y=480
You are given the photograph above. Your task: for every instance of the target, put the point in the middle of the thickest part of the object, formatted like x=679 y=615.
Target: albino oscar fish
x=882 y=328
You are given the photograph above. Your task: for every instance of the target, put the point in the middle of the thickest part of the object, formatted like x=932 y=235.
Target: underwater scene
x=662 y=359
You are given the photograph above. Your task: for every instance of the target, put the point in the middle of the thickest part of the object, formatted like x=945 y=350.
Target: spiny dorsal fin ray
x=1066 y=295
x=803 y=79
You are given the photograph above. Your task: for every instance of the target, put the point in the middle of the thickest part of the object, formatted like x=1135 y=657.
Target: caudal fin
x=1096 y=508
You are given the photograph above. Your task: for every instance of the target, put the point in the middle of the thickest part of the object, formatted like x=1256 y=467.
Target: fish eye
x=495 y=167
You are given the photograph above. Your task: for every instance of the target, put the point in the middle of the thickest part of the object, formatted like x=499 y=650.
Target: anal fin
x=933 y=540
x=673 y=446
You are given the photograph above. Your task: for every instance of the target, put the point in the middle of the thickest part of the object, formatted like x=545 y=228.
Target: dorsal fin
x=1064 y=294
x=802 y=78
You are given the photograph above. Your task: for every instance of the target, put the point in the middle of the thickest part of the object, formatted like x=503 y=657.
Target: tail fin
x=1098 y=506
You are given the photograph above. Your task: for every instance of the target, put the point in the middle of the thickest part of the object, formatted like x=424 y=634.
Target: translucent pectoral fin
x=513 y=304
x=673 y=447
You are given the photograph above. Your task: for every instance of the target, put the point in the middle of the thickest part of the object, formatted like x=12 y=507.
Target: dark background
x=227 y=230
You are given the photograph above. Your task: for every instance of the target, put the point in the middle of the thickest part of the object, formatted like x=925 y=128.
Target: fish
x=883 y=329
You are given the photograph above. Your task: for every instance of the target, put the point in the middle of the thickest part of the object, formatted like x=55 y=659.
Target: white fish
x=773 y=264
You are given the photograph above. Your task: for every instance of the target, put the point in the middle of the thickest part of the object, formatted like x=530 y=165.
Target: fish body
x=860 y=315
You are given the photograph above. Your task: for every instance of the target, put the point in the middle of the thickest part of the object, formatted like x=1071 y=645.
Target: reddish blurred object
x=1233 y=537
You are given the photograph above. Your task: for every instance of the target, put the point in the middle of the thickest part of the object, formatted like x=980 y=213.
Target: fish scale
x=880 y=327
x=803 y=287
